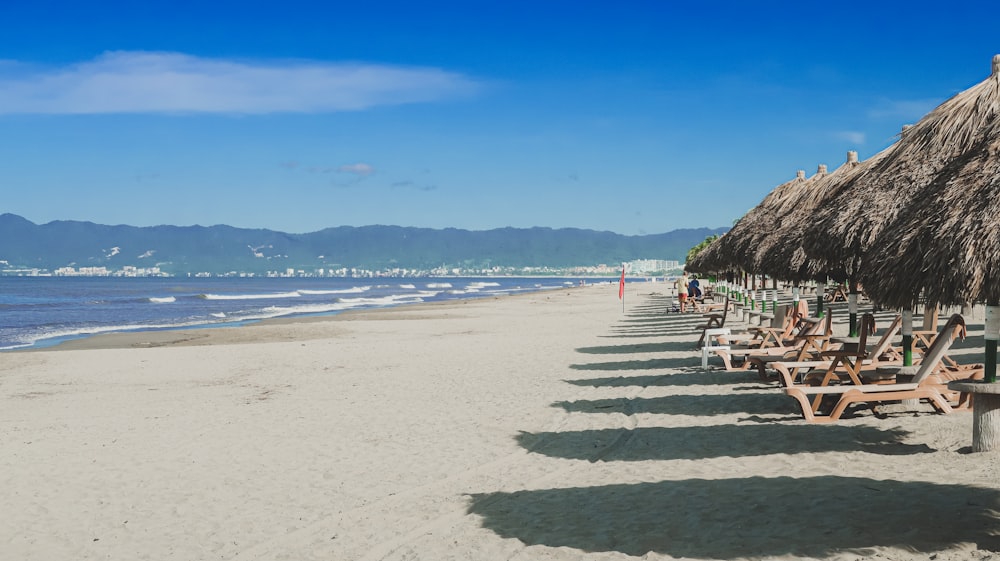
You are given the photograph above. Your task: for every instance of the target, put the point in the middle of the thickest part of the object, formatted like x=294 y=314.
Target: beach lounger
x=813 y=337
x=923 y=338
x=787 y=321
x=839 y=363
x=712 y=321
x=924 y=385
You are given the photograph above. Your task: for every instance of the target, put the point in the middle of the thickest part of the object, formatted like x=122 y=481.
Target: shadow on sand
x=697 y=377
x=753 y=517
x=696 y=405
x=716 y=441
x=651 y=364
x=660 y=347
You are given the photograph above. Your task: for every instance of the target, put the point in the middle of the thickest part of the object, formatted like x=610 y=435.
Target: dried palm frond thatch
x=945 y=244
x=734 y=251
x=781 y=255
x=706 y=262
x=842 y=233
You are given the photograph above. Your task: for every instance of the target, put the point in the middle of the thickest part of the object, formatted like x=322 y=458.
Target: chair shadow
x=695 y=378
x=655 y=332
x=644 y=320
x=658 y=347
x=753 y=517
x=651 y=364
x=698 y=405
x=635 y=334
x=716 y=441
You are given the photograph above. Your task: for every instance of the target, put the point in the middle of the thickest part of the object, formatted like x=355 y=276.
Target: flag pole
x=621 y=288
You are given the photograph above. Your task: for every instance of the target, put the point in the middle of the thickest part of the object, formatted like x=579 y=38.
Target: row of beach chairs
x=827 y=375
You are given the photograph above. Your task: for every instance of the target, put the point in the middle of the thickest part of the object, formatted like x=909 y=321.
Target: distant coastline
x=69 y=248
x=639 y=267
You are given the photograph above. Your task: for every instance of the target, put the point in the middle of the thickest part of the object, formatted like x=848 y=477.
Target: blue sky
x=633 y=117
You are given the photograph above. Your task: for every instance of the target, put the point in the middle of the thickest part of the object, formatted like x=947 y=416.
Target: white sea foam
x=439 y=285
x=294 y=294
x=164 y=300
x=328 y=308
x=482 y=284
x=407 y=286
x=73 y=333
x=383 y=301
x=352 y=290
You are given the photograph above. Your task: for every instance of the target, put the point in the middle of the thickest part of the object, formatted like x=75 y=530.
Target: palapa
x=733 y=251
x=781 y=255
x=707 y=261
x=945 y=243
x=841 y=234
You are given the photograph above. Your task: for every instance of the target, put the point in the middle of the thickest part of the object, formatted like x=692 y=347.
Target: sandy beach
x=549 y=425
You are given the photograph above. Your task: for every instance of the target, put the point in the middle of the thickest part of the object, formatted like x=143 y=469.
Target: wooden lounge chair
x=712 y=321
x=924 y=385
x=787 y=321
x=840 y=363
x=923 y=338
x=813 y=337
x=837 y=294
x=712 y=301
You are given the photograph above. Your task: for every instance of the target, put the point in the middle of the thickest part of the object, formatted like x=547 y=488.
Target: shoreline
x=263 y=330
x=74 y=335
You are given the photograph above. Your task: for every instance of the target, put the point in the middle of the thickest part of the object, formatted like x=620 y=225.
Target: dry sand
x=540 y=426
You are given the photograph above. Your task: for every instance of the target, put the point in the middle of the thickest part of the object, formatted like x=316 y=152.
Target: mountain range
x=221 y=249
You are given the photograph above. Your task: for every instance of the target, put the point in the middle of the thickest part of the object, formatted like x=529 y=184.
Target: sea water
x=43 y=311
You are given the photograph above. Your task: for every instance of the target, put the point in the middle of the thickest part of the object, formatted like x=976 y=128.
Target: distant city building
x=640 y=266
x=649 y=267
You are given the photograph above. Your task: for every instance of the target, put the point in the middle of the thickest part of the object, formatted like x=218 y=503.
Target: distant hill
x=220 y=249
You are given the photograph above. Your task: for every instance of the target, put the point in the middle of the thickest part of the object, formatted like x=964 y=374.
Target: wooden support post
x=852 y=308
x=820 y=296
x=990 y=335
x=985 y=413
x=907 y=329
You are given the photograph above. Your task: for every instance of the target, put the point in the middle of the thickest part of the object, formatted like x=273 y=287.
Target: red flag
x=621 y=285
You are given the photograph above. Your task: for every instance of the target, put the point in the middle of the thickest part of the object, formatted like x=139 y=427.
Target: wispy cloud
x=163 y=82
x=853 y=137
x=910 y=110
x=407 y=184
x=360 y=169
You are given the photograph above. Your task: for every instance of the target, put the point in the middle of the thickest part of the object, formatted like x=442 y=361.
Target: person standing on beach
x=681 y=284
x=694 y=292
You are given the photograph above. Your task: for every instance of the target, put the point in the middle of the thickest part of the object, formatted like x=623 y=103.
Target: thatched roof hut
x=946 y=242
x=781 y=254
x=707 y=261
x=735 y=249
x=842 y=233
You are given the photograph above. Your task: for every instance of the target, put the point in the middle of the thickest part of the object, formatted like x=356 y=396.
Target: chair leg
x=762 y=371
x=727 y=359
x=805 y=407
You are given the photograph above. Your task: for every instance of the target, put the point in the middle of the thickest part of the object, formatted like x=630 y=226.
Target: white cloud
x=156 y=82
x=908 y=110
x=359 y=168
x=853 y=137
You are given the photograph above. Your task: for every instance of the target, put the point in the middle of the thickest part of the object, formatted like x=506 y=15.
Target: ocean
x=44 y=311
